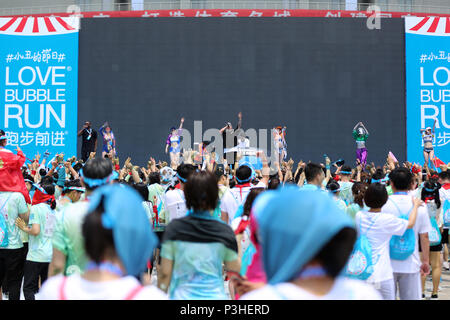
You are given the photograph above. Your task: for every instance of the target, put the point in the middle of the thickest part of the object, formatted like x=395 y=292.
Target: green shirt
x=197 y=272
x=23 y=235
x=359 y=137
x=58 y=191
x=346 y=193
x=68 y=238
x=389 y=190
x=40 y=246
x=12 y=204
x=148 y=207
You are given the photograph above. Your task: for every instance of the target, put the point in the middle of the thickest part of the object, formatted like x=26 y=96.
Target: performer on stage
x=427 y=137
x=109 y=141
x=89 y=140
x=173 y=141
x=279 y=137
x=227 y=133
x=360 y=133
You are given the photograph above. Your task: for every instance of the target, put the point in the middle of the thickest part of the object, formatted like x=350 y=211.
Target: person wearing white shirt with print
x=382 y=228
x=235 y=197
x=407 y=272
x=174 y=199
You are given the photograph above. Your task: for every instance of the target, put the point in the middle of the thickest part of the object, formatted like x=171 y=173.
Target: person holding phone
x=89 y=140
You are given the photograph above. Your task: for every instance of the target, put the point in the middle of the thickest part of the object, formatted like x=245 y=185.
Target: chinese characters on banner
x=39 y=78
x=428 y=85
x=241 y=13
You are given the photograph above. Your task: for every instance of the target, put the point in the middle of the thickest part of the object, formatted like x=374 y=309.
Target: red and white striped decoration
x=30 y=26
x=437 y=26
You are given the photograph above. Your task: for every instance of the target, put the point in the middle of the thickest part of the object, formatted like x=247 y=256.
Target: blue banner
x=427 y=85
x=38 y=82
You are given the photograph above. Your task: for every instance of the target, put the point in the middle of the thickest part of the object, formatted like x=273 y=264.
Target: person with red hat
x=13 y=204
x=40 y=229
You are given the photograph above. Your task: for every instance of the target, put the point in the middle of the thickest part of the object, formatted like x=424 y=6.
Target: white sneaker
x=446 y=265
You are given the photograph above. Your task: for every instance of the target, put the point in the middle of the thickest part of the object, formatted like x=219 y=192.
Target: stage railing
x=224 y=4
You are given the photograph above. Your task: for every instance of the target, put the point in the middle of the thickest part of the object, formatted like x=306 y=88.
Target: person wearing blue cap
x=306 y=250
x=196 y=247
x=68 y=252
x=118 y=241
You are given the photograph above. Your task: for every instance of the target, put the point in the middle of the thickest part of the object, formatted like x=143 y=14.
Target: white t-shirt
x=77 y=288
x=383 y=228
x=229 y=205
x=343 y=289
x=422 y=225
x=175 y=204
x=234 y=197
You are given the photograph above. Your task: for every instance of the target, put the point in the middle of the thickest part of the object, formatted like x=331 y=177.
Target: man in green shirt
x=69 y=256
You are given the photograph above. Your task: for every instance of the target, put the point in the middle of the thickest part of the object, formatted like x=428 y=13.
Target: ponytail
x=359 y=190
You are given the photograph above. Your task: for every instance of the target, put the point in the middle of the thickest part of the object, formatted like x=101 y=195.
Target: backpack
x=435 y=234
x=360 y=264
x=446 y=213
x=4 y=241
x=239 y=211
x=401 y=247
x=240 y=208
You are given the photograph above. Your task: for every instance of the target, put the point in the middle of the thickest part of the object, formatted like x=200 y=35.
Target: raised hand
x=290 y=164
x=127 y=162
x=129 y=166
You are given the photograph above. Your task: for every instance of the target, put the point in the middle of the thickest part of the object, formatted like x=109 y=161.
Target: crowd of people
x=95 y=228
